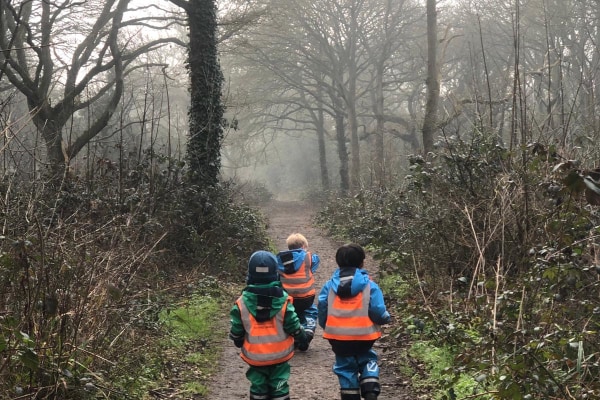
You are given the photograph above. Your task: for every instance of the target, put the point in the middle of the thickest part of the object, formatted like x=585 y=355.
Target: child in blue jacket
x=297 y=267
x=350 y=311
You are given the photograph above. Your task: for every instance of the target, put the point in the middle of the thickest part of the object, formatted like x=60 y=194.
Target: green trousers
x=269 y=382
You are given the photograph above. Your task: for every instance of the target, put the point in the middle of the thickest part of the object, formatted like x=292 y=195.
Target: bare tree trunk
x=351 y=103
x=354 y=145
x=318 y=118
x=379 y=151
x=54 y=150
x=322 y=150
x=433 y=80
x=340 y=135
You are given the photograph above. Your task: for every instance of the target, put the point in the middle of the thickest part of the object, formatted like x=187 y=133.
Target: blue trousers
x=307 y=313
x=358 y=372
x=309 y=318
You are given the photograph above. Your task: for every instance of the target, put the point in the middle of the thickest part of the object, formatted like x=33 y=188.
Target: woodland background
x=456 y=140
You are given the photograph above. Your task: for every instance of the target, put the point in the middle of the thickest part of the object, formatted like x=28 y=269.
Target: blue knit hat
x=262 y=268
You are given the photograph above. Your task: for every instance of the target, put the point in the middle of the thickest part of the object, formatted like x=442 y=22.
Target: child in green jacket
x=264 y=324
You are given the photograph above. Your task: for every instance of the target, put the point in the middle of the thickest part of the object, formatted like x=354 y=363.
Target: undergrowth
x=191 y=341
x=87 y=271
x=499 y=251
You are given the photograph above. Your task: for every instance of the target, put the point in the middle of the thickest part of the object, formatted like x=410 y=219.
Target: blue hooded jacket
x=377 y=310
x=299 y=255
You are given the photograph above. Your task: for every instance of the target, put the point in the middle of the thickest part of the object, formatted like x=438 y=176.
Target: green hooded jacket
x=264 y=301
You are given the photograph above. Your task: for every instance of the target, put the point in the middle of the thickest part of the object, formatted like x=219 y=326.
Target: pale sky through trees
x=289 y=79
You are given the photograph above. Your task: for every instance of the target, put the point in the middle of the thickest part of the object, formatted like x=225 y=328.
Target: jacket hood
x=295 y=257
x=354 y=278
x=264 y=301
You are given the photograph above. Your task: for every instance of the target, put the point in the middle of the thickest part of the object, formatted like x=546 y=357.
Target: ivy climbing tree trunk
x=206 y=81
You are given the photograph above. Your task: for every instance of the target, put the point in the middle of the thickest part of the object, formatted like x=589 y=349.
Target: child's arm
x=237 y=331
x=377 y=310
x=322 y=305
x=315 y=261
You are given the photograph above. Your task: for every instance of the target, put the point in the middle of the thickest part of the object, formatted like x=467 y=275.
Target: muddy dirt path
x=312 y=376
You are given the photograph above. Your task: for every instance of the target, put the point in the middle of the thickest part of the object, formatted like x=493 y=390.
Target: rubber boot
x=257 y=396
x=369 y=387
x=350 y=394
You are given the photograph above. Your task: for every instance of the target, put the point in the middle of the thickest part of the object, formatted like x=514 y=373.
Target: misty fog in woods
x=317 y=94
x=356 y=74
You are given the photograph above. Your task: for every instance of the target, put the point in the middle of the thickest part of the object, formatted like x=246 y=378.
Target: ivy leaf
x=30 y=359
x=574 y=182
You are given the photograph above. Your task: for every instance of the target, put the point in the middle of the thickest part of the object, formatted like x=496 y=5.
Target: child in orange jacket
x=264 y=325
x=297 y=267
x=351 y=310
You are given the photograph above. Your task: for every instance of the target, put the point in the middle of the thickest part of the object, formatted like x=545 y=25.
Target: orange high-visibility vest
x=301 y=283
x=266 y=343
x=348 y=318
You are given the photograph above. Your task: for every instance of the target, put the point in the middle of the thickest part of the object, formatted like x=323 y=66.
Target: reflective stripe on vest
x=266 y=343
x=348 y=318
x=302 y=282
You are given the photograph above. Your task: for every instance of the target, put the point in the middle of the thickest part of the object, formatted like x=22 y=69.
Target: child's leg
x=259 y=382
x=278 y=382
x=269 y=382
x=346 y=369
x=310 y=322
x=303 y=306
x=369 y=374
x=310 y=314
